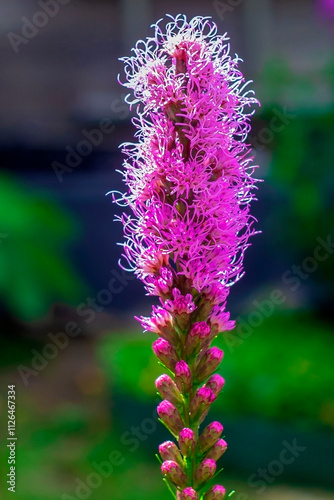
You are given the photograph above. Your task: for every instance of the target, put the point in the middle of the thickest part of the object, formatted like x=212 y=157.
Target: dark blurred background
x=83 y=371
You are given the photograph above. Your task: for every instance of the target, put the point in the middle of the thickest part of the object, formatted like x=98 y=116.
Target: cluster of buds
x=189 y=187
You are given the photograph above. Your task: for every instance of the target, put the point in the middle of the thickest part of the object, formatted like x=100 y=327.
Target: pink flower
x=169 y=451
x=174 y=473
x=168 y=389
x=189 y=175
x=199 y=334
x=209 y=436
x=216 y=384
x=183 y=377
x=189 y=185
x=220 y=321
x=170 y=417
x=180 y=304
x=188 y=494
x=165 y=352
x=186 y=441
x=205 y=471
x=209 y=363
x=217 y=492
x=217 y=450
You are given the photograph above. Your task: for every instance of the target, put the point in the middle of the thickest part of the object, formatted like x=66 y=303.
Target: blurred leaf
x=283 y=371
x=34 y=269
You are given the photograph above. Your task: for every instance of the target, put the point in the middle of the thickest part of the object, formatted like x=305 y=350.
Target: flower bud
x=205 y=471
x=173 y=472
x=186 y=441
x=166 y=353
x=208 y=363
x=217 y=492
x=216 y=384
x=209 y=436
x=188 y=494
x=169 y=451
x=217 y=450
x=200 y=404
x=183 y=377
x=196 y=338
x=170 y=417
x=168 y=389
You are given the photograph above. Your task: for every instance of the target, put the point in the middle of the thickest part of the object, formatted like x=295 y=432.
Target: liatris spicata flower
x=189 y=185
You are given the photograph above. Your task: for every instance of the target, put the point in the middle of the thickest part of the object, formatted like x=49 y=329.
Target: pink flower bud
x=209 y=436
x=188 y=494
x=169 y=451
x=197 y=337
x=209 y=363
x=183 y=377
x=205 y=471
x=200 y=404
x=217 y=492
x=173 y=472
x=186 y=441
x=165 y=353
x=170 y=417
x=217 y=450
x=216 y=384
x=168 y=389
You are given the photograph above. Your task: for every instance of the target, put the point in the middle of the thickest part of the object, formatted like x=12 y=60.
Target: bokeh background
x=83 y=371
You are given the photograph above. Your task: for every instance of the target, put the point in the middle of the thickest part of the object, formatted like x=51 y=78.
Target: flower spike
x=189 y=185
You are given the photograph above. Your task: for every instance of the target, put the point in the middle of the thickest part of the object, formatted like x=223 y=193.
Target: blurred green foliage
x=301 y=171
x=34 y=268
x=283 y=371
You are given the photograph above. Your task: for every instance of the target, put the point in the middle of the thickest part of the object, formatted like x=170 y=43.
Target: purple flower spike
x=170 y=417
x=168 y=390
x=217 y=492
x=216 y=384
x=188 y=494
x=209 y=363
x=209 y=436
x=186 y=442
x=217 y=450
x=165 y=353
x=183 y=377
x=169 y=451
x=189 y=185
x=205 y=471
x=189 y=175
x=174 y=473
